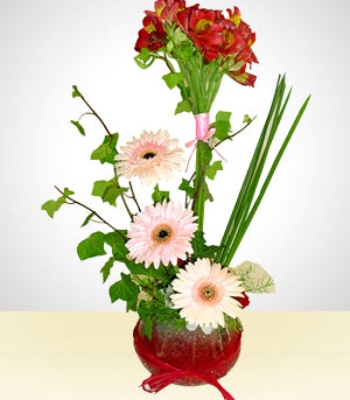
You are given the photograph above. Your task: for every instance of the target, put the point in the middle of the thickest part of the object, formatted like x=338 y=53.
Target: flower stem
x=73 y=201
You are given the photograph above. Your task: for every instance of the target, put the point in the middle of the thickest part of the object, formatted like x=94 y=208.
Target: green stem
x=73 y=201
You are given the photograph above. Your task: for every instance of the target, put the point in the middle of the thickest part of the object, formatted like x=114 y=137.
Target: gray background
x=300 y=234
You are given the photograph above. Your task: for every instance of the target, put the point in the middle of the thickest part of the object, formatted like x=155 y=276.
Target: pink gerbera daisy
x=151 y=158
x=161 y=234
x=205 y=293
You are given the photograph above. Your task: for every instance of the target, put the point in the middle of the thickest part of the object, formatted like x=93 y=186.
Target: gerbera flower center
x=162 y=234
x=207 y=292
x=148 y=155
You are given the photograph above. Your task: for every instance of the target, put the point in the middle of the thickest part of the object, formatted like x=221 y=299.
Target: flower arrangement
x=174 y=276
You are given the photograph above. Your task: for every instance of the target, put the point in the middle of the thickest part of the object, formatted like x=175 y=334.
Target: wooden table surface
x=90 y=356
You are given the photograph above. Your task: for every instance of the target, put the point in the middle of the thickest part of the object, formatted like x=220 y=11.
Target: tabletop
x=90 y=356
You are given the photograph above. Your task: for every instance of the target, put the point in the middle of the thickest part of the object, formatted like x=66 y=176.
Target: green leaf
x=200 y=249
x=91 y=247
x=211 y=171
x=159 y=196
x=67 y=192
x=75 y=92
x=51 y=206
x=147 y=328
x=125 y=290
x=106 y=152
x=254 y=278
x=173 y=79
x=247 y=119
x=183 y=106
x=144 y=59
x=117 y=243
x=106 y=269
x=206 y=153
x=108 y=191
x=186 y=187
x=87 y=219
x=222 y=125
x=78 y=126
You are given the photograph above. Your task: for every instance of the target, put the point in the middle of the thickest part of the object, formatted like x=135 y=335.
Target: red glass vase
x=186 y=357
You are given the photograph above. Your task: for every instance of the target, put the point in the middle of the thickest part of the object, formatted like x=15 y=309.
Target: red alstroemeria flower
x=152 y=35
x=167 y=10
x=242 y=77
x=243 y=300
x=217 y=36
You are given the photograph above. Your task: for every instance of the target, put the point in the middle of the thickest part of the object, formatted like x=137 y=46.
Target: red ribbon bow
x=167 y=374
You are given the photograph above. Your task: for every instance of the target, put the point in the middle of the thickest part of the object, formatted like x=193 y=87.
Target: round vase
x=193 y=351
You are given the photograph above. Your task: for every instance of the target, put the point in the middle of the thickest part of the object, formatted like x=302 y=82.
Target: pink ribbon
x=203 y=132
x=202 y=129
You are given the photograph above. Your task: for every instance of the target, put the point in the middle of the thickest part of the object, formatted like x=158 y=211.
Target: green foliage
x=254 y=278
x=106 y=152
x=78 y=126
x=205 y=153
x=247 y=119
x=252 y=191
x=200 y=249
x=232 y=323
x=222 y=125
x=212 y=169
x=51 y=206
x=87 y=219
x=162 y=275
x=183 y=106
x=187 y=187
x=92 y=246
x=108 y=191
x=173 y=79
x=158 y=311
x=106 y=269
x=75 y=92
x=144 y=59
x=125 y=290
x=117 y=242
x=159 y=196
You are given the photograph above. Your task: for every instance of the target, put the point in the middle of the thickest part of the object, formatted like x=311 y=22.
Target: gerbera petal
x=159 y=234
x=152 y=157
x=204 y=294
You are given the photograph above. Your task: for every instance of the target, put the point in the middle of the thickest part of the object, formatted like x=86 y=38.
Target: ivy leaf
x=222 y=125
x=117 y=243
x=211 y=171
x=78 y=126
x=183 y=106
x=106 y=269
x=75 y=92
x=144 y=59
x=186 y=187
x=207 y=194
x=87 y=219
x=106 y=152
x=92 y=246
x=173 y=79
x=125 y=290
x=247 y=119
x=254 y=278
x=159 y=196
x=51 y=206
x=108 y=191
x=200 y=249
x=206 y=153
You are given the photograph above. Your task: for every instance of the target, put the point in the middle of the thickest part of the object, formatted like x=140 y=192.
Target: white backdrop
x=301 y=232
